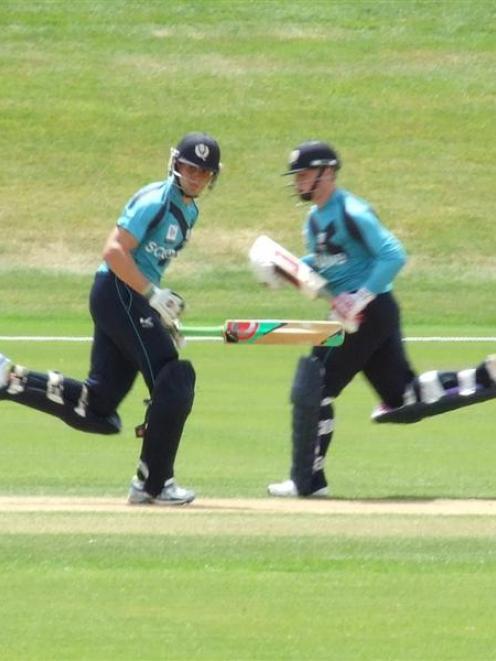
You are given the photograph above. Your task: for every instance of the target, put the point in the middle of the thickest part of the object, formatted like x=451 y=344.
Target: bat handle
x=202 y=331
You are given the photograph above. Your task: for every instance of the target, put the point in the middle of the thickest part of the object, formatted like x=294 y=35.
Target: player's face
x=315 y=184
x=305 y=181
x=193 y=179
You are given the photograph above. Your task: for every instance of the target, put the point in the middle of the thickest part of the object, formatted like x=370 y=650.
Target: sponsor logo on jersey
x=323 y=258
x=159 y=251
x=325 y=261
x=172 y=232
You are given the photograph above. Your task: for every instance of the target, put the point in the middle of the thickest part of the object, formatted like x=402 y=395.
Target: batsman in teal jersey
x=135 y=328
x=359 y=258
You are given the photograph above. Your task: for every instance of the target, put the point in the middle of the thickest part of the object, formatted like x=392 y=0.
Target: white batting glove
x=348 y=308
x=167 y=303
x=266 y=273
x=177 y=336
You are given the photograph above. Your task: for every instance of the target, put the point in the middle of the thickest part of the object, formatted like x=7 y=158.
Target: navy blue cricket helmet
x=313 y=154
x=198 y=149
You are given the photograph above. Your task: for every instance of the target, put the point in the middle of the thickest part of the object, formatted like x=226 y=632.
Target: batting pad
x=415 y=412
x=306 y=393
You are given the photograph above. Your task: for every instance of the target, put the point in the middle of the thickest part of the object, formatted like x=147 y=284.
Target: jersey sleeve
x=309 y=242
x=387 y=251
x=137 y=216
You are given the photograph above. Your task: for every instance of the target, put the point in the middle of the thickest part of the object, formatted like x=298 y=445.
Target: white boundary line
x=66 y=338
x=43 y=338
x=447 y=338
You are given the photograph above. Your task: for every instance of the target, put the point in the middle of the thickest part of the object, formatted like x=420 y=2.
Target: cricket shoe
x=137 y=494
x=171 y=494
x=288 y=489
x=5 y=370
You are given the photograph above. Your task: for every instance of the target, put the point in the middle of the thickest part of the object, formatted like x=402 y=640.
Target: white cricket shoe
x=137 y=494
x=288 y=489
x=5 y=370
x=171 y=494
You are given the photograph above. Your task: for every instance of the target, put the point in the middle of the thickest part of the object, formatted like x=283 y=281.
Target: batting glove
x=265 y=272
x=177 y=337
x=168 y=304
x=348 y=308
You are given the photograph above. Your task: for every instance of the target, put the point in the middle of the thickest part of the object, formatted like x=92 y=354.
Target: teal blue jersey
x=350 y=247
x=161 y=223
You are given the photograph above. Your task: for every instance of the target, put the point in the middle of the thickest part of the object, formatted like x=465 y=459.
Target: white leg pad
x=326 y=427
x=431 y=388
x=17 y=383
x=318 y=464
x=55 y=387
x=467 y=384
x=490 y=364
x=409 y=396
x=82 y=404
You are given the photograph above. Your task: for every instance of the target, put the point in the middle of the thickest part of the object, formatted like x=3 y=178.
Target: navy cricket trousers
x=376 y=349
x=128 y=338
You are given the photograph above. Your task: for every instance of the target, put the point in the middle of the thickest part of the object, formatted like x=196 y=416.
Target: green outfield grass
x=249 y=585
x=242 y=596
x=237 y=440
x=94 y=93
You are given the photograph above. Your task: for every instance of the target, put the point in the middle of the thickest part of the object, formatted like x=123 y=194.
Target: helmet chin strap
x=177 y=183
x=308 y=197
x=172 y=170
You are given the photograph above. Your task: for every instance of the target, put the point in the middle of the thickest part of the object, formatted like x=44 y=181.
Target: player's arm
x=389 y=257
x=118 y=255
x=389 y=254
x=117 y=252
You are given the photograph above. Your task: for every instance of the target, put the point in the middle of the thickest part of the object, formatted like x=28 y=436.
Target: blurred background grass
x=94 y=93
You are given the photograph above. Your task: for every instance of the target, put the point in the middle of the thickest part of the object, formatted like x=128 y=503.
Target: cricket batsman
x=135 y=327
x=358 y=260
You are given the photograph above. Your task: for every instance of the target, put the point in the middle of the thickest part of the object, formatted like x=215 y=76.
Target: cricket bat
x=265 y=252
x=269 y=331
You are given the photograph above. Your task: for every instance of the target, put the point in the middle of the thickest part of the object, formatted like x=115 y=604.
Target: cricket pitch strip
x=251 y=517
x=324 y=506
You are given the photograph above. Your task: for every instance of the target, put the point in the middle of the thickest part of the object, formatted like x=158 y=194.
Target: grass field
x=248 y=582
x=321 y=593
x=94 y=93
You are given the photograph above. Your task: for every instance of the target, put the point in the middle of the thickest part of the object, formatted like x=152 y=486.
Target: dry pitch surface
x=263 y=516
x=435 y=506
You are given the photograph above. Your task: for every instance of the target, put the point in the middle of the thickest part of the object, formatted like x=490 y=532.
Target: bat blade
x=266 y=331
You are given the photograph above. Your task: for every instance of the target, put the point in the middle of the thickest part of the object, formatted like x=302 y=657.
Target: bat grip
x=202 y=331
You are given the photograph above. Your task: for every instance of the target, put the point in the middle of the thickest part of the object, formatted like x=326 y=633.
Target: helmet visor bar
x=180 y=159
x=319 y=163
